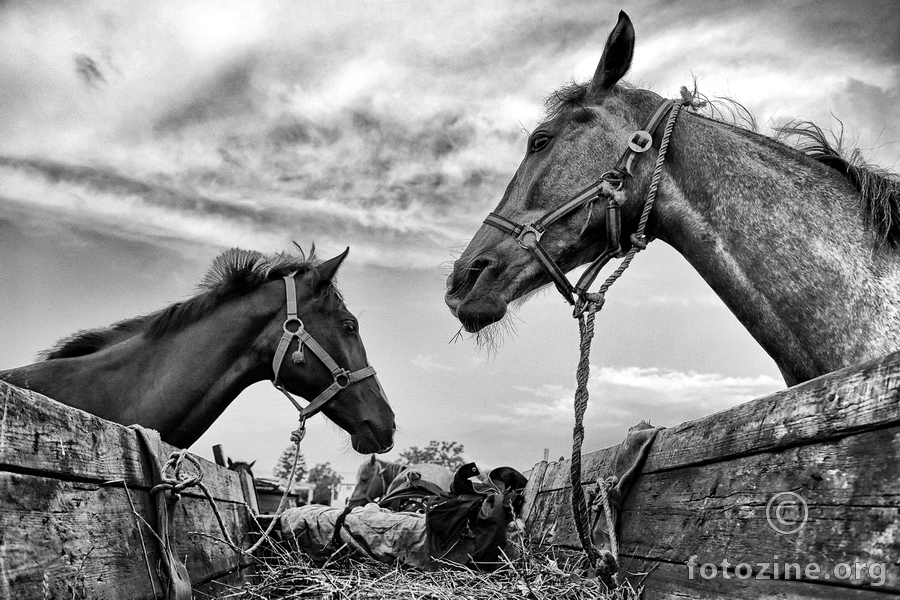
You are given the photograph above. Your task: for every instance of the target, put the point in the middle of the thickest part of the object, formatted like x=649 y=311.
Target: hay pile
x=292 y=576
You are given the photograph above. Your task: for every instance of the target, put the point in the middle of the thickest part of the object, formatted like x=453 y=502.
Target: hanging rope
x=296 y=437
x=606 y=563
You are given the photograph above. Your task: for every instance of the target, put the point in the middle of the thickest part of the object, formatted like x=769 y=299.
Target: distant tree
x=448 y=454
x=324 y=478
x=282 y=468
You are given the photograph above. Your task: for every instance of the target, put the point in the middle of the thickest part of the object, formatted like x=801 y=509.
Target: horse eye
x=349 y=327
x=539 y=141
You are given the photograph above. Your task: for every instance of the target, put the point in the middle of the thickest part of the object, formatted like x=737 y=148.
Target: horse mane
x=879 y=188
x=233 y=273
x=88 y=341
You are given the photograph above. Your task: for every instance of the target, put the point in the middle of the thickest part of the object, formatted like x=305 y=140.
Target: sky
x=138 y=140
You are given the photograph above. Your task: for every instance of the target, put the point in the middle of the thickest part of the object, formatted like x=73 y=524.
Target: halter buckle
x=640 y=141
x=534 y=231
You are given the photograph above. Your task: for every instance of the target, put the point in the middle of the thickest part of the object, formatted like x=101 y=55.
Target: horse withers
x=176 y=370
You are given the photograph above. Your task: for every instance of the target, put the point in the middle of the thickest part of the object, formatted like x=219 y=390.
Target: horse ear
x=230 y=464
x=616 y=58
x=250 y=466
x=372 y=460
x=325 y=272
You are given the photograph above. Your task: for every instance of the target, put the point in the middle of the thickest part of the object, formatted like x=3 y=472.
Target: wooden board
x=706 y=487
x=66 y=518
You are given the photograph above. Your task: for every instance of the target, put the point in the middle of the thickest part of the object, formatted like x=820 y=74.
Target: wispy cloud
x=635 y=393
x=428 y=362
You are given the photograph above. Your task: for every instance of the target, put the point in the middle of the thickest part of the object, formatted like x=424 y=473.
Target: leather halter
x=528 y=236
x=343 y=378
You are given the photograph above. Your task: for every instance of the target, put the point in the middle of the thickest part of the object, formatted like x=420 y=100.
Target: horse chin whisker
x=491 y=337
x=347 y=447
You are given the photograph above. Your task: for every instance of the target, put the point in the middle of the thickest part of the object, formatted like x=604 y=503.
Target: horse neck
x=178 y=383
x=780 y=238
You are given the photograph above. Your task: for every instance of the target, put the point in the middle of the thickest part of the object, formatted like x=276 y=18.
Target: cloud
x=270 y=123
x=428 y=362
x=635 y=393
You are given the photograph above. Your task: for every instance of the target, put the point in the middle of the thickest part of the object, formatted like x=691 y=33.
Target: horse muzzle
x=471 y=296
x=368 y=440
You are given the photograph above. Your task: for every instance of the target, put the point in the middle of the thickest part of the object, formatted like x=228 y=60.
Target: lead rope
x=296 y=436
x=605 y=562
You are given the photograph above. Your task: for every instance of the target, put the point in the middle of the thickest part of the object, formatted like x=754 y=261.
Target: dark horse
x=177 y=369
x=376 y=478
x=801 y=245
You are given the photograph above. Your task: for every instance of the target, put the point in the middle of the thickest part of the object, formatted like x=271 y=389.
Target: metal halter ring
x=342 y=378
x=530 y=228
x=615 y=180
x=290 y=320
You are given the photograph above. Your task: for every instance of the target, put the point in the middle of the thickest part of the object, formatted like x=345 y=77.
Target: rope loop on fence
x=179 y=480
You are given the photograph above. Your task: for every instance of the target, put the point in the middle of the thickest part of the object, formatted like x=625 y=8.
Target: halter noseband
x=343 y=378
x=609 y=185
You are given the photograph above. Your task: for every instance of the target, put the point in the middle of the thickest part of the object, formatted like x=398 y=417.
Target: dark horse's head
x=370 y=483
x=582 y=138
x=361 y=407
x=241 y=466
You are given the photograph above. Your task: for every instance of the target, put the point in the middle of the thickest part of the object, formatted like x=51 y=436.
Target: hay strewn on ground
x=535 y=577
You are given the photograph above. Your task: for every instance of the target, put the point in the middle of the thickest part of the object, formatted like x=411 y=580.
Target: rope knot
x=179 y=480
x=298 y=434
x=589 y=302
x=689 y=98
x=639 y=242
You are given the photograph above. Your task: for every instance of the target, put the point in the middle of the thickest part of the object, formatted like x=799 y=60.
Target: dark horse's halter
x=343 y=378
x=529 y=236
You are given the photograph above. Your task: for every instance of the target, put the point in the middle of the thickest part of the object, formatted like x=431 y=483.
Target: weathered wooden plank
x=663 y=581
x=855 y=399
x=859 y=398
x=83 y=536
x=42 y=436
x=599 y=462
x=248 y=488
x=718 y=511
x=535 y=480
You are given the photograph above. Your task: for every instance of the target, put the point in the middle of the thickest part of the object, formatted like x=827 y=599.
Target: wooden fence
x=70 y=485
x=716 y=489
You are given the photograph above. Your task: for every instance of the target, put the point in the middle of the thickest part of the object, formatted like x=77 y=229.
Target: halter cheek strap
x=293 y=328
x=609 y=186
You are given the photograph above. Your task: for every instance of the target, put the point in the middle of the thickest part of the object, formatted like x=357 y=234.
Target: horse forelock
x=233 y=273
